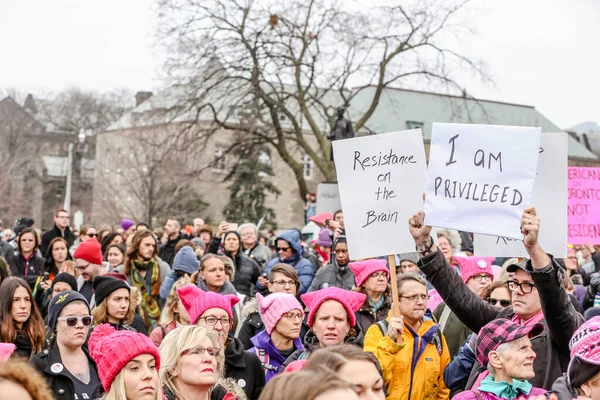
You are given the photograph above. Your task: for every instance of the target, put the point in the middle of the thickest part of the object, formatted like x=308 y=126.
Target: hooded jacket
x=263 y=342
x=302 y=266
x=244 y=368
x=409 y=373
x=365 y=317
x=560 y=322
x=333 y=274
x=246 y=269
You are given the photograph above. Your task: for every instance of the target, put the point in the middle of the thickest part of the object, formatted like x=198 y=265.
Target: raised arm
x=468 y=307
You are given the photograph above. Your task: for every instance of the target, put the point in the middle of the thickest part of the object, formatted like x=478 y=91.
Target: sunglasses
x=282 y=249
x=503 y=303
x=72 y=321
x=92 y=234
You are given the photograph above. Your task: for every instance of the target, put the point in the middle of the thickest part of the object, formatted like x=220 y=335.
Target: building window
x=414 y=124
x=220 y=159
x=307 y=162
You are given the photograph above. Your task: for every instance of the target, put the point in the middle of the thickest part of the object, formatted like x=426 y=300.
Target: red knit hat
x=364 y=269
x=352 y=301
x=112 y=350
x=196 y=301
x=470 y=266
x=90 y=251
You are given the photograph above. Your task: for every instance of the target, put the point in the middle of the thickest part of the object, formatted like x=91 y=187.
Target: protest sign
x=550 y=201
x=480 y=177
x=328 y=198
x=381 y=180
x=584 y=205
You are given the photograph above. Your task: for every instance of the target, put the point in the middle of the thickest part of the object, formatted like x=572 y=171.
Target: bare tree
x=289 y=64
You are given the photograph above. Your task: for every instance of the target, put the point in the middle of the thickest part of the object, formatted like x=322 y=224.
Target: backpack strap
x=444 y=317
x=265 y=360
x=383 y=327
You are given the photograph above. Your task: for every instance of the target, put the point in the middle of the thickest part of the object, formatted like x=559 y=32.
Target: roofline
x=448 y=95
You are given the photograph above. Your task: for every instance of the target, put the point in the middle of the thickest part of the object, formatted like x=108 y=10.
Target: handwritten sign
x=480 y=177
x=381 y=179
x=550 y=201
x=584 y=205
x=328 y=198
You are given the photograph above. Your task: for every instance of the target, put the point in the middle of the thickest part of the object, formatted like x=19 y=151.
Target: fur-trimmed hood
x=250 y=308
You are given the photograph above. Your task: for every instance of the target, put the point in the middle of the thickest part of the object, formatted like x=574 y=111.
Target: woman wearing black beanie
x=62 y=282
x=113 y=305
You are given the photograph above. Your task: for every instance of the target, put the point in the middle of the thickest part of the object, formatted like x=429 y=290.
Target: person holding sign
x=411 y=349
x=537 y=292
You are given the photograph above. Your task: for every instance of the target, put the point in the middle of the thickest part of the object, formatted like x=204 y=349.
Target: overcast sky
x=544 y=53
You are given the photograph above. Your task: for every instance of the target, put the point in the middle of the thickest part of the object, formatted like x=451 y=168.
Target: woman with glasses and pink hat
x=372 y=279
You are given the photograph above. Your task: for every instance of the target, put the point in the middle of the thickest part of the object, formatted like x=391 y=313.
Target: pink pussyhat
x=470 y=266
x=364 y=269
x=274 y=306
x=585 y=353
x=352 y=301
x=196 y=301
x=6 y=350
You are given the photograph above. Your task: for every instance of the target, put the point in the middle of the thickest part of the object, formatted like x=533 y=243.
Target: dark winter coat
x=563 y=389
x=247 y=270
x=53 y=233
x=167 y=251
x=333 y=275
x=60 y=383
x=302 y=266
x=261 y=254
x=365 y=316
x=560 y=322
x=18 y=265
x=244 y=368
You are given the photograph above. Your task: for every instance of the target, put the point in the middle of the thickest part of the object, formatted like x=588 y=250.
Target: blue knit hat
x=186 y=261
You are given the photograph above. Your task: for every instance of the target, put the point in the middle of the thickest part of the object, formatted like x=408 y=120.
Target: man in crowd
x=88 y=263
x=5 y=248
x=197 y=223
x=252 y=247
x=60 y=229
x=537 y=292
x=167 y=250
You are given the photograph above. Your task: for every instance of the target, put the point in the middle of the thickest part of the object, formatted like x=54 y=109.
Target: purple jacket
x=273 y=359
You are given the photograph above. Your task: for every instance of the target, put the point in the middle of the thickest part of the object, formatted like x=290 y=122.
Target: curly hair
x=24 y=375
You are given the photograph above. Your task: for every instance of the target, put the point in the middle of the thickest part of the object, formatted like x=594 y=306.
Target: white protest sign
x=550 y=201
x=381 y=180
x=480 y=177
x=328 y=198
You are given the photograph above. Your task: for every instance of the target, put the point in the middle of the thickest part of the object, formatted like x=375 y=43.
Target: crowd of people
x=228 y=312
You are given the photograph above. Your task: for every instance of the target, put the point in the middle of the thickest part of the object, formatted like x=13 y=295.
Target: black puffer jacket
x=247 y=270
x=60 y=383
x=18 y=265
x=560 y=322
x=244 y=368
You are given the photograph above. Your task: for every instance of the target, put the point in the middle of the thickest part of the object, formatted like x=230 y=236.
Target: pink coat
x=470 y=394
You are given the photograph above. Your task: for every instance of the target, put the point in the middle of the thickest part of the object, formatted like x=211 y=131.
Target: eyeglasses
x=282 y=249
x=82 y=267
x=212 y=320
x=378 y=275
x=526 y=287
x=292 y=316
x=198 y=351
x=72 y=321
x=283 y=283
x=503 y=303
x=482 y=278
x=416 y=297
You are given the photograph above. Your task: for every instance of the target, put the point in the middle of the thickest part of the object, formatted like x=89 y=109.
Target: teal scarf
x=376 y=305
x=504 y=389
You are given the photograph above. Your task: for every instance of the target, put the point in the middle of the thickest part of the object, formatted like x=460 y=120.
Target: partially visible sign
x=78 y=219
x=328 y=198
x=550 y=201
x=584 y=205
x=381 y=180
x=481 y=177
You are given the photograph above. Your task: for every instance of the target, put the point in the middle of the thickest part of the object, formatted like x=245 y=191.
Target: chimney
x=30 y=104
x=141 y=97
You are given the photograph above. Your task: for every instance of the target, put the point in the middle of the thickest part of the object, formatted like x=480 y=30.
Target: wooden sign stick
x=395 y=300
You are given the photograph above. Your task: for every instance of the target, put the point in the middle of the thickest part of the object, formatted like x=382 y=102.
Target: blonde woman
x=128 y=364
x=192 y=364
x=172 y=316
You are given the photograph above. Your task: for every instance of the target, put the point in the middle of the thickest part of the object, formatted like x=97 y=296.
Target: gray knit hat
x=59 y=302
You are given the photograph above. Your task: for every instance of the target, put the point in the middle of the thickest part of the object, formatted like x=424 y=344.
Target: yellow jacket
x=396 y=361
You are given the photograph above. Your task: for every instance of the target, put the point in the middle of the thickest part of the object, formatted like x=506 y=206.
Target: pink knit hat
x=352 y=301
x=6 y=350
x=112 y=350
x=470 y=266
x=196 y=301
x=274 y=306
x=364 y=269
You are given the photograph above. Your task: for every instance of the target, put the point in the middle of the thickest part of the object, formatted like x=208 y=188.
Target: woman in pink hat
x=128 y=364
x=216 y=312
x=372 y=279
x=331 y=319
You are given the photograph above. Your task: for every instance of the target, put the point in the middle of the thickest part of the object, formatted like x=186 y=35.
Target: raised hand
x=418 y=230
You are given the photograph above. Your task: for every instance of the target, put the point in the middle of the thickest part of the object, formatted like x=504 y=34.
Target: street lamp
x=81 y=139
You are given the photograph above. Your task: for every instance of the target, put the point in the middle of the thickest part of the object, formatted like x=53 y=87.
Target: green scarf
x=504 y=389
x=149 y=308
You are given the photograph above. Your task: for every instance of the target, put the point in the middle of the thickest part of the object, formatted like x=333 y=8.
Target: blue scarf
x=376 y=305
x=504 y=389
